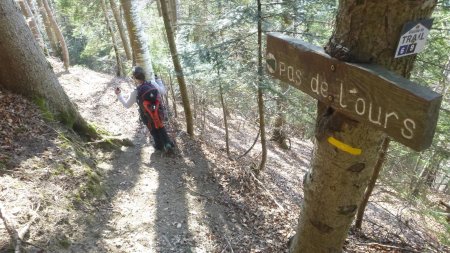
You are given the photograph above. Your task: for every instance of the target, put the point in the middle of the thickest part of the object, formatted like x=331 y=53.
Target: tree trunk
x=224 y=109
x=26 y=71
x=431 y=176
x=278 y=133
x=289 y=15
x=415 y=172
x=141 y=54
x=195 y=102
x=178 y=68
x=422 y=176
x=48 y=29
x=122 y=32
x=120 y=71
x=262 y=124
x=172 y=7
x=158 y=6
x=373 y=180
x=335 y=186
x=203 y=117
x=26 y=10
x=174 y=100
x=39 y=25
x=59 y=35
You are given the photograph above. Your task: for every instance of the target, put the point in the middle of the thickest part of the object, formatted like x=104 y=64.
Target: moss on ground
x=43 y=106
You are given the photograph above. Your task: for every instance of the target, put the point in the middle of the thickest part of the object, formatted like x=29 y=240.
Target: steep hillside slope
x=83 y=197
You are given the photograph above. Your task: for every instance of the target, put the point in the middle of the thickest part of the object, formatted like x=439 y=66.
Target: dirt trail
x=138 y=200
x=135 y=199
x=157 y=203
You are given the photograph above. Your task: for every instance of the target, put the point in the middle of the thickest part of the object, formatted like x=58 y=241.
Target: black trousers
x=161 y=138
x=159 y=135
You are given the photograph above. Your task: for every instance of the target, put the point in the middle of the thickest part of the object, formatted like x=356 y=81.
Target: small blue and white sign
x=413 y=37
x=271 y=63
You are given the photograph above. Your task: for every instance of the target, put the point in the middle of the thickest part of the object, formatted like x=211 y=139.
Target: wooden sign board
x=369 y=93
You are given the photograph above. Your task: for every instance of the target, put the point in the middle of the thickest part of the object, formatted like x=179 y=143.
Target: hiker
x=148 y=98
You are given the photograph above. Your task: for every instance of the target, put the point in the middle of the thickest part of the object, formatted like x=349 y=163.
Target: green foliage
x=432 y=69
x=84 y=29
x=220 y=45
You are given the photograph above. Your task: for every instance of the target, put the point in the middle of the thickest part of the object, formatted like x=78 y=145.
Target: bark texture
x=225 y=120
x=26 y=10
x=120 y=71
x=122 y=31
x=59 y=35
x=428 y=175
x=366 y=31
x=141 y=54
x=279 y=134
x=173 y=7
x=48 y=28
x=178 y=68
x=26 y=71
x=369 y=30
x=261 y=107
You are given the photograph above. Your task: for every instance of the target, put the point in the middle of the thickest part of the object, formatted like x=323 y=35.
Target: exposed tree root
x=17 y=237
x=111 y=143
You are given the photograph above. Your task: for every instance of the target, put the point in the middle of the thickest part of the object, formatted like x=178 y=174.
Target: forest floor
x=85 y=197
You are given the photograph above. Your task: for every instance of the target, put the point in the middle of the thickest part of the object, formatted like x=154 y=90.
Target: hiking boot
x=168 y=147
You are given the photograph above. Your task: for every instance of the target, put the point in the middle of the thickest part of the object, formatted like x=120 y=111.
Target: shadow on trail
x=94 y=219
x=194 y=216
x=172 y=212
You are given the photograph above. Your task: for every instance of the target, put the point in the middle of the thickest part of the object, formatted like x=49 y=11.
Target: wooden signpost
x=404 y=110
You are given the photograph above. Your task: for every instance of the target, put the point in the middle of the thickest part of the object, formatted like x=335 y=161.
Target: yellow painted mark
x=344 y=147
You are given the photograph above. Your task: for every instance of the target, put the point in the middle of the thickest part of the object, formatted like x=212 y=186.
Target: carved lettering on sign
x=405 y=111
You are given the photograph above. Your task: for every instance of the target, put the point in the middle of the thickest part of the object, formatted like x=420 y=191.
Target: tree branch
x=246 y=152
x=17 y=236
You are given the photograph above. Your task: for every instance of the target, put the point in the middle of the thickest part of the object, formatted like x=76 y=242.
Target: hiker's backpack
x=150 y=106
